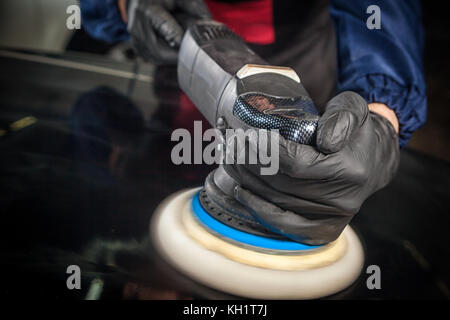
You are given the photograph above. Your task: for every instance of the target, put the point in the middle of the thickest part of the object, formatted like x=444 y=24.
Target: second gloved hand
x=317 y=190
x=156 y=27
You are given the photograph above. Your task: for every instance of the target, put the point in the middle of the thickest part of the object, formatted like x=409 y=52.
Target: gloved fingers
x=159 y=53
x=185 y=20
x=142 y=34
x=292 y=225
x=196 y=8
x=297 y=194
x=147 y=44
x=387 y=139
x=165 y=25
x=343 y=116
x=163 y=54
x=305 y=162
x=385 y=127
x=290 y=158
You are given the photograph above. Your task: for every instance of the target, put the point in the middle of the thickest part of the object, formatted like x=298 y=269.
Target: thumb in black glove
x=319 y=189
x=156 y=26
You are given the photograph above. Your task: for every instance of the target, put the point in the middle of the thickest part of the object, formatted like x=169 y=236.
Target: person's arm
x=122 y=4
x=383 y=65
x=102 y=20
x=155 y=27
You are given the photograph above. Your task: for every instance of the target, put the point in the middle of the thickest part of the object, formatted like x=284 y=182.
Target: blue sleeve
x=383 y=65
x=102 y=20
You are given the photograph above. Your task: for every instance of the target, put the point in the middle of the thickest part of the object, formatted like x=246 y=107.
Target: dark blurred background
x=433 y=137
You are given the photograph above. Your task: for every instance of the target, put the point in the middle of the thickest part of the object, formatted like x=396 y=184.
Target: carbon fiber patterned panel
x=295 y=118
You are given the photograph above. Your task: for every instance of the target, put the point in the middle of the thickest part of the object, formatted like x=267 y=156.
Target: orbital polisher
x=206 y=233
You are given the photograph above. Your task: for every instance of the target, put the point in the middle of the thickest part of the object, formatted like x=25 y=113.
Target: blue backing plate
x=240 y=236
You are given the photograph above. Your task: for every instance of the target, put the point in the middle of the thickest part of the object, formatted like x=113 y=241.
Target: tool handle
x=210 y=55
x=225 y=79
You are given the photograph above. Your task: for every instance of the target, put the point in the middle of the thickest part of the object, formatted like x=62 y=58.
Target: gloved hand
x=318 y=190
x=156 y=27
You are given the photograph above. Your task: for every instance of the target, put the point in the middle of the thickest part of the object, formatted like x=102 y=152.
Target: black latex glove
x=156 y=27
x=318 y=190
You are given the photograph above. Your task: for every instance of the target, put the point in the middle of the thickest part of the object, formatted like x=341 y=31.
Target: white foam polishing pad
x=248 y=271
